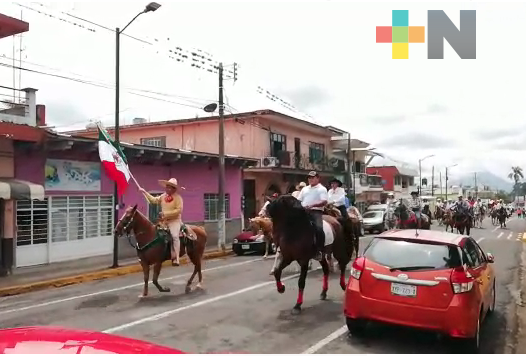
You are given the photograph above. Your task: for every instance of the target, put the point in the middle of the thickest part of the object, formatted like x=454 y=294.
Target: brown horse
x=448 y=220
x=351 y=229
x=153 y=246
x=295 y=235
x=264 y=225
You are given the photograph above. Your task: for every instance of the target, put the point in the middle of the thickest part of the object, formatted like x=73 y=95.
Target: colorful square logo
x=400 y=34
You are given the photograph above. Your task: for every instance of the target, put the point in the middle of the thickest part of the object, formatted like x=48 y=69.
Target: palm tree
x=516 y=175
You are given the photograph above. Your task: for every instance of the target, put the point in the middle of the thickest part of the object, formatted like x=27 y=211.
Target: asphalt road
x=240 y=310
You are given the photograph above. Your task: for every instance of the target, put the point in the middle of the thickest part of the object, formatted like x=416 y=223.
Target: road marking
x=500 y=235
x=495 y=229
x=197 y=304
x=479 y=240
x=510 y=235
x=58 y=301
x=325 y=341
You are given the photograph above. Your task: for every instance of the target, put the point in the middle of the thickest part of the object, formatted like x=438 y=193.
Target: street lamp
x=153 y=6
x=420 y=172
x=454 y=165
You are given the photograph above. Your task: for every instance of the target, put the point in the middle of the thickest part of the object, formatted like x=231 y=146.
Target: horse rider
x=426 y=209
x=263 y=212
x=171 y=210
x=337 y=196
x=462 y=206
x=313 y=198
x=415 y=204
x=299 y=187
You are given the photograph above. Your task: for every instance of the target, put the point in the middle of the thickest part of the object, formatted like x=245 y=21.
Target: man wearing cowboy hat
x=299 y=187
x=416 y=206
x=313 y=198
x=337 y=196
x=171 y=211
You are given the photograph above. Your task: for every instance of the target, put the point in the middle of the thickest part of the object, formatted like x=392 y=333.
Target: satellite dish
x=210 y=107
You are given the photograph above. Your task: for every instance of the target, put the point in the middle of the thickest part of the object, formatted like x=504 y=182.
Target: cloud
x=63 y=114
x=307 y=97
x=496 y=134
x=417 y=140
x=437 y=109
x=518 y=143
x=388 y=119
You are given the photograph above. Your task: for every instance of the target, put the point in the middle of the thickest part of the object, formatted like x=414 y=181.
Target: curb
x=96 y=275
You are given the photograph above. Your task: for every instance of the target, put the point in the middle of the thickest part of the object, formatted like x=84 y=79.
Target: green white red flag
x=113 y=161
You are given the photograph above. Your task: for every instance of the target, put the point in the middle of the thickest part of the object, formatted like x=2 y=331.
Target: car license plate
x=403 y=290
x=245 y=247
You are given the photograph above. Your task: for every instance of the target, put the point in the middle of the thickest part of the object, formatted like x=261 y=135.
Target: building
x=75 y=218
x=285 y=147
x=397 y=178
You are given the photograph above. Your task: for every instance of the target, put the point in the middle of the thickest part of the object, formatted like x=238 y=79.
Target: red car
x=52 y=340
x=434 y=280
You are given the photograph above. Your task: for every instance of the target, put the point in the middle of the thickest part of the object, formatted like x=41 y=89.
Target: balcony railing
x=305 y=162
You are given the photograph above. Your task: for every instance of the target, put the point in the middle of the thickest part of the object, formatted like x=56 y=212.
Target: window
x=211 y=211
x=392 y=253
x=472 y=253
x=278 y=142
x=316 y=152
x=32 y=222
x=154 y=141
x=398 y=180
x=80 y=217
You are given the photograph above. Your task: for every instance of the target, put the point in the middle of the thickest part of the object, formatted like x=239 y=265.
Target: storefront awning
x=18 y=190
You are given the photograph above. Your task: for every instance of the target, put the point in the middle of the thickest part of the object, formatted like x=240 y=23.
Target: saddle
x=164 y=232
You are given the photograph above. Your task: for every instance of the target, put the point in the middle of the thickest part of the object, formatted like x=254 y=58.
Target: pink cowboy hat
x=172 y=182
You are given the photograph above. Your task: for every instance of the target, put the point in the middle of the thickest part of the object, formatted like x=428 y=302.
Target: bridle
x=128 y=226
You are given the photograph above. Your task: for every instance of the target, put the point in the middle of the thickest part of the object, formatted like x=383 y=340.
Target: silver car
x=374 y=220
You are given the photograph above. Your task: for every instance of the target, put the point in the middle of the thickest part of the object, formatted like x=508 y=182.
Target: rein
x=128 y=226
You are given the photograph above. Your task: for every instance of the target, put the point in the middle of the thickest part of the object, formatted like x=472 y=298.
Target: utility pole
x=348 y=175
x=420 y=177
x=433 y=181
x=440 y=184
x=476 y=187
x=446 y=183
x=221 y=242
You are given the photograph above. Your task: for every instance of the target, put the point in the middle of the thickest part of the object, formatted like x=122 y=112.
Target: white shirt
x=337 y=196
x=295 y=194
x=313 y=195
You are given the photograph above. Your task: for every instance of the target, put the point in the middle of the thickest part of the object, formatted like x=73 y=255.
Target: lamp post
x=153 y=6
x=420 y=172
x=454 y=165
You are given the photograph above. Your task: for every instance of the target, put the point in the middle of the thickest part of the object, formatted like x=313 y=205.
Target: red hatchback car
x=434 y=280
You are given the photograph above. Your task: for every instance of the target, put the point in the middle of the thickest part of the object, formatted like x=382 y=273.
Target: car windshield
x=405 y=254
x=372 y=214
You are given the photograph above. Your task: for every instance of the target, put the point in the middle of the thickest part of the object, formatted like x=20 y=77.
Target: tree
x=501 y=194
x=516 y=175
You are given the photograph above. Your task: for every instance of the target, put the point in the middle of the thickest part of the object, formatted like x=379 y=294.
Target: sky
x=321 y=57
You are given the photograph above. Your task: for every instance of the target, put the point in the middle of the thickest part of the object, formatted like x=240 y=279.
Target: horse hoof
x=296 y=311
x=188 y=289
x=265 y=257
x=199 y=286
x=165 y=290
x=343 y=286
x=323 y=295
x=281 y=289
x=271 y=273
x=142 y=296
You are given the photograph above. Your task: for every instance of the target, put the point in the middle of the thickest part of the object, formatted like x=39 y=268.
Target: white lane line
x=500 y=235
x=58 y=301
x=510 y=235
x=195 y=305
x=481 y=239
x=323 y=342
x=495 y=229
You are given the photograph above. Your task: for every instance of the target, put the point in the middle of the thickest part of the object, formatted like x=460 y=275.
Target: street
x=239 y=309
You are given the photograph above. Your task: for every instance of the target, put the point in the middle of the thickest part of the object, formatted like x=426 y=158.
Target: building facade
x=398 y=180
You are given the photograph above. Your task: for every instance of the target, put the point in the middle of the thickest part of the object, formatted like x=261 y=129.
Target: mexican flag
x=114 y=161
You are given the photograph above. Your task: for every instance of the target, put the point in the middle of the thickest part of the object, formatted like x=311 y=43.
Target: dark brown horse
x=295 y=235
x=463 y=222
x=153 y=246
x=351 y=228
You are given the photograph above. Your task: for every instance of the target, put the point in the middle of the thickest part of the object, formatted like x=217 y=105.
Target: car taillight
x=461 y=281
x=357 y=267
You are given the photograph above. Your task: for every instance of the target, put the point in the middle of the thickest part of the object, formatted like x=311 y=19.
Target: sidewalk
x=61 y=274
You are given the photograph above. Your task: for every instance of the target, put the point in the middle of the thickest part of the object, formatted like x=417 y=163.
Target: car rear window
x=398 y=253
x=372 y=214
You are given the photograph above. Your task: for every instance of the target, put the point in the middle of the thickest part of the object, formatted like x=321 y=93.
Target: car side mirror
x=491 y=258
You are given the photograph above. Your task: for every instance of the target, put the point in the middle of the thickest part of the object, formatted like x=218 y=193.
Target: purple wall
x=197 y=177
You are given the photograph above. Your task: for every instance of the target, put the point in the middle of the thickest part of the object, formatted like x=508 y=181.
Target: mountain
x=485 y=178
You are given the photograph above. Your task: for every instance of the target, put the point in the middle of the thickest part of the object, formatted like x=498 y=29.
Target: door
x=477 y=267
x=249 y=192
x=297 y=152
x=486 y=276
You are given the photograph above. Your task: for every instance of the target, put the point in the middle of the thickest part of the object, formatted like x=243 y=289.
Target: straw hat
x=301 y=185
x=172 y=182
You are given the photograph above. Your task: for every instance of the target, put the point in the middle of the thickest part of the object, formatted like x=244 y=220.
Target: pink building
x=286 y=148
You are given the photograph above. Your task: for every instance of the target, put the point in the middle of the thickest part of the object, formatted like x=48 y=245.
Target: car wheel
x=472 y=345
x=491 y=308
x=356 y=326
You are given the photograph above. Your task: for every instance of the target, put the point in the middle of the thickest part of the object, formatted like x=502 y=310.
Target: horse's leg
x=156 y=272
x=301 y=286
x=188 y=287
x=276 y=261
x=325 y=286
x=267 y=247
x=329 y=259
x=146 y=274
x=283 y=263
x=343 y=283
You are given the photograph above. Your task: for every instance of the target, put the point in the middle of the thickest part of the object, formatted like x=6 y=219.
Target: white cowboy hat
x=301 y=185
x=172 y=182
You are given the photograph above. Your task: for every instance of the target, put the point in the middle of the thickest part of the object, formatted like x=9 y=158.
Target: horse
x=462 y=222
x=476 y=216
x=448 y=220
x=502 y=215
x=294 y=233
x=407 y=219
x=154 y=245
x=439 y=215
x=264 y=225
x=351 y=229
x=494 y=216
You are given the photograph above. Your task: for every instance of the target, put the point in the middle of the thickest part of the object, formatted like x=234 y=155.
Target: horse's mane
x=289 y=217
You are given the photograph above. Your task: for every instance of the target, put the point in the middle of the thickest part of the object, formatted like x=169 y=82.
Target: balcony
x=17 y=110
x=294 y=161
x=375 y=183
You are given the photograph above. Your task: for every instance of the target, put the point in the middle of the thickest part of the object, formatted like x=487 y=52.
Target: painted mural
x=66 y=175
